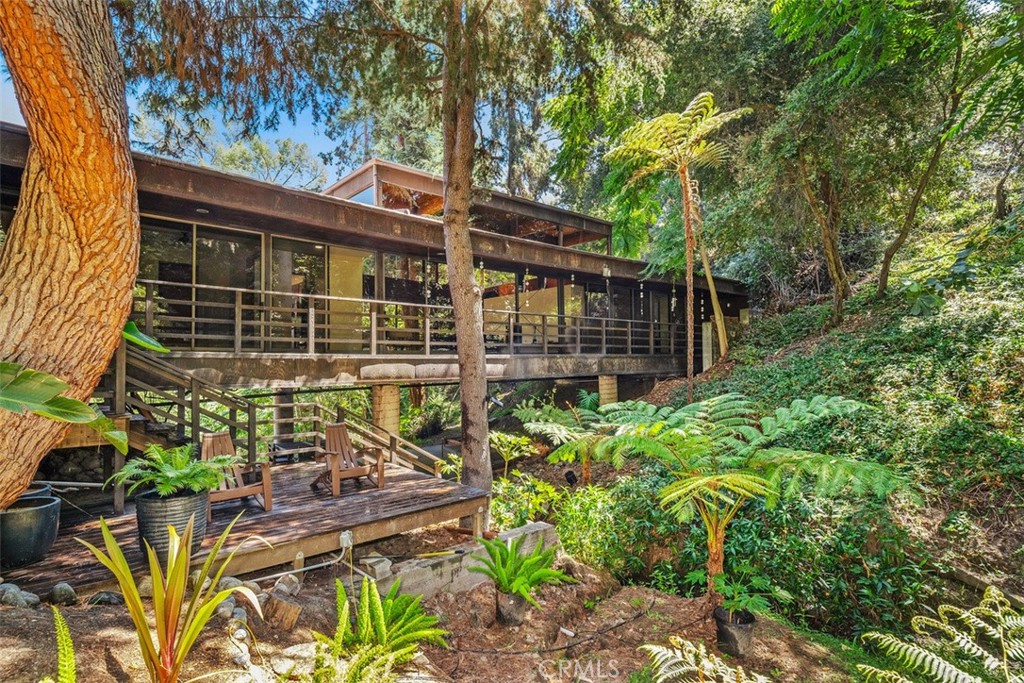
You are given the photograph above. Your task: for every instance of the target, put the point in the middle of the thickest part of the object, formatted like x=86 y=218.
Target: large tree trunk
x=826 y=214
x=716 y=305
x=684 y=181
x=458 y=105
x=71 y=254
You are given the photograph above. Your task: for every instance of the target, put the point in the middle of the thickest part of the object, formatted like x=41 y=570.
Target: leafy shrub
x=518 y=573
x=685 y=662
x=510 y=447
x=388 y=633
x=982 y=644
x=521 y=500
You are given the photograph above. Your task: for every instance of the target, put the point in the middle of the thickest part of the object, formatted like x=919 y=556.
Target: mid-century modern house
x=253 y=285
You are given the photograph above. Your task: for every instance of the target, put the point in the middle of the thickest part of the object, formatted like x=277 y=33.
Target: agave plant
x=722 y=455
x=178 y=621
x=174 y=470
x=684 y=662
x=388 y=633
x=990 y=637
x=518 y=573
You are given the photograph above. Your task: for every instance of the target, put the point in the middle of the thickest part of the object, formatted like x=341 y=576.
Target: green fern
x=388 y=633
x=684 y=661
x=518 y=573
x=990 y=636
x=174 y=470
x=65 y=651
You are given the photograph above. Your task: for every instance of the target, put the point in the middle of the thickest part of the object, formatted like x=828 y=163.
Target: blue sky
x=303 y=130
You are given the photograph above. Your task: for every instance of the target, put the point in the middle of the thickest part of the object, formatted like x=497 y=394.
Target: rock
x=240 y=615
x=241 y=635
x=295 y=660
x=288 y=584
x=107 y=598
x=13 y=599
x=6 y=588
x=193 y=579
x=225 y=608
x=62 y=594
x=376 y=565
x=242 y=658
x=228 y=582
x=145 y=587
x=31 y=599
x=253 y=586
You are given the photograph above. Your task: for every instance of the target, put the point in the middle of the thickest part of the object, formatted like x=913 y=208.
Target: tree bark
x=716 y=562
x=828 y=225
x=716 y=305
x=71 y=255
x=684 y=181
x=458 y=105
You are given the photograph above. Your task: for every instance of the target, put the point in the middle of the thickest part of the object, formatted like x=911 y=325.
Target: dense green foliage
x=686 y=662
x=984 y=643
x=388 y=632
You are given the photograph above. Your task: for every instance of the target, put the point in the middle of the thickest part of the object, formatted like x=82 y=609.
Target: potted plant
x=517 y=575
x=179 y=489
x=744 y=593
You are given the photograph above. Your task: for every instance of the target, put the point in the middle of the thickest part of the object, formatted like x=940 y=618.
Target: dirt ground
x=586 y=631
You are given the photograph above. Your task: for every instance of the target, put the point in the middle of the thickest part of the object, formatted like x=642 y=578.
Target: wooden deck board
x=302 y=520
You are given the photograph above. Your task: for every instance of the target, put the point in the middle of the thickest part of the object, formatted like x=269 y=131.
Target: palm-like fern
x=174 y=470
x=65 y=651
x=721 y=455
x=677 y=143
x=684 y=661
x=518 y=573
x=388 y=632
x=575 y=432
x=990 y=635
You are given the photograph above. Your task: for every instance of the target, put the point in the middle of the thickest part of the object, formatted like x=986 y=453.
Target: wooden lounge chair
x=234 y=485
x=345 y=462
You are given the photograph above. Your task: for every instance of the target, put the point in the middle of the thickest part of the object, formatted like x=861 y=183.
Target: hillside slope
x=947 y=405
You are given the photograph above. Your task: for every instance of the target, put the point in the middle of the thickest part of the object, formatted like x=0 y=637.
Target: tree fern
x=989 y=636
x=684 y=662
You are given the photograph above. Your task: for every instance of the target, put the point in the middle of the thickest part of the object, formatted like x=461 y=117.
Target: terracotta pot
x=511 y=609
x=735 y=631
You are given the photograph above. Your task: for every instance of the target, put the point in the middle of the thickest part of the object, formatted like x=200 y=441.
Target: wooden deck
x=302 y=520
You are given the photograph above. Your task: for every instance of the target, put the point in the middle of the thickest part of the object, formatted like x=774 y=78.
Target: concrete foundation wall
x=450 y=573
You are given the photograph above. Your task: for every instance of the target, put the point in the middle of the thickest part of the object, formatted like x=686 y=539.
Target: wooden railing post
x=544 y=333
x=392 y=447
x=120 y=375
x=250 y=437
x=238 y=321
x=511 y=334
x=629 y=337
x=318 y=421
x=373 y=333
x=604 y=336
x=232 y=429
x=672 y=338
x=579 y=336
x=196 y=408
x=650 y=339
x=148 y=322
x=311 y=327
x=426 y=333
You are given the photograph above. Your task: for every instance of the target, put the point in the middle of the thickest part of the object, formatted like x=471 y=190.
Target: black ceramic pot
x=154 y=513
x=28 y=529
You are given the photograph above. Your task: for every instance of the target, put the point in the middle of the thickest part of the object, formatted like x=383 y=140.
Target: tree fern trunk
x=684 y=181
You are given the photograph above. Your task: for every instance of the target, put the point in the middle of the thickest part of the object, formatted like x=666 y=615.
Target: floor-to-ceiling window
x=165 y=257
x=226 y=259
x=298 y=269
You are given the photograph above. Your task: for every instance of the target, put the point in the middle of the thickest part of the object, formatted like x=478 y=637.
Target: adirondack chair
x=345 y=462
x=234 y=486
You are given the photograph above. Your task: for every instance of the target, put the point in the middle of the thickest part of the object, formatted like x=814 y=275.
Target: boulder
x=107 y=598
x=288 y=584
x=228 y=582
x=225 y=608
x=31 y=599
x=145 y=587
x=62 y=594
x=13 y=599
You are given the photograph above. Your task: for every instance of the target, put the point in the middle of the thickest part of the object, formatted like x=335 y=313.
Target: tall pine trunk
x=684 y=182
x=458 y=105
x=71 y=255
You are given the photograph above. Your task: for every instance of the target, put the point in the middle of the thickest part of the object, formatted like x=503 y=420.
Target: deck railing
x=210 y=318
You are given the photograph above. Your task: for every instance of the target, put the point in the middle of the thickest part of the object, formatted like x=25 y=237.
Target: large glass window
x=165 y=256
x=350 y=275
x=230 y=259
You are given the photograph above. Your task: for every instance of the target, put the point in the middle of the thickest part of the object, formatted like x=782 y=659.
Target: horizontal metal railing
x=206 y=317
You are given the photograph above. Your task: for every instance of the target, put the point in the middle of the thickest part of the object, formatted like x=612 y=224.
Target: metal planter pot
x=735 y=631
x=28 y=529
x=155 y=513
